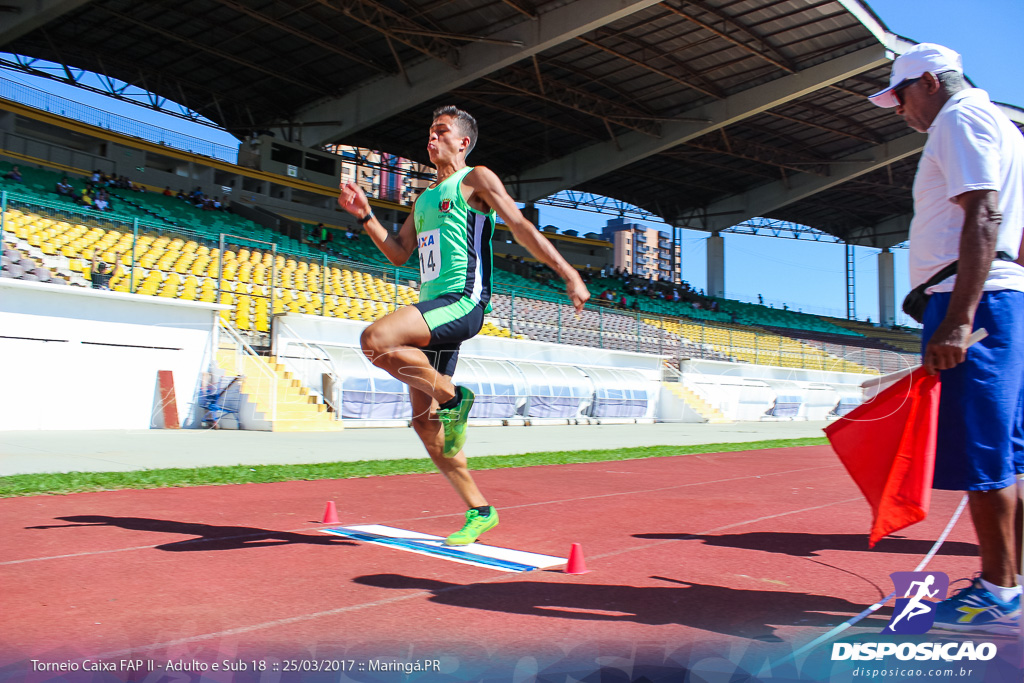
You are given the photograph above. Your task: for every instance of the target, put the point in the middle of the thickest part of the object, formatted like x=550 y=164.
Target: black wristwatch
x=368 y=216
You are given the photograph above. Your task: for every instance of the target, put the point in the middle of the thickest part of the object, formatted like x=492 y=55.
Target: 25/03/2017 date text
x=291 y=665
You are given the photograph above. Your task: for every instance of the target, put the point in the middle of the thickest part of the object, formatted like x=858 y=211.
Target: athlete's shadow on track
x=809 y=545
x=744 y=613
x=208 y=536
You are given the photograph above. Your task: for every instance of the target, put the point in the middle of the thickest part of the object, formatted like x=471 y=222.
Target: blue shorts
x=452 y=319
x=981 y=412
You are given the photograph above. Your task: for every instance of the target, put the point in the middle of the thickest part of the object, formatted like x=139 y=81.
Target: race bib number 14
x=430 y=255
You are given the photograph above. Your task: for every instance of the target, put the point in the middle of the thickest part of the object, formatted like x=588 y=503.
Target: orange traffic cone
x=576 y=563
x=330 y=513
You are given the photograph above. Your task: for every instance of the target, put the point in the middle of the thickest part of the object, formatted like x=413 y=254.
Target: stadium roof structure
x=703 y=112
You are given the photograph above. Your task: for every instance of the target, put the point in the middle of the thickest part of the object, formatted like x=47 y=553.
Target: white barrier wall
x=746 y=392
x=76 y=358
x=741 y=391
x=613 y=377
x=337 y=332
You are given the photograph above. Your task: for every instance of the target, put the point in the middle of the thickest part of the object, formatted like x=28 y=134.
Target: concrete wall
x=76 y=358
x=55 y=154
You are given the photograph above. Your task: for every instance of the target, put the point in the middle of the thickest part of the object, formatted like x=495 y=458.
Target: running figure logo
x=914 y=613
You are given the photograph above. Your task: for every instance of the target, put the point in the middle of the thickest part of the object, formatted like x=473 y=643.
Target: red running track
x=725 y=552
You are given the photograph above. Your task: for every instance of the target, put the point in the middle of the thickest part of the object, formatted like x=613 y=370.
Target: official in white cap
x=913 y=64
x=965 y=240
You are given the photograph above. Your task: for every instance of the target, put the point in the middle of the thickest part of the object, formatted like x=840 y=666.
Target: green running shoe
x=475 y=525
x=454 y=421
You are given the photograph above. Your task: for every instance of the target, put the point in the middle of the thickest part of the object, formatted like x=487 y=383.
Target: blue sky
x=805 y=275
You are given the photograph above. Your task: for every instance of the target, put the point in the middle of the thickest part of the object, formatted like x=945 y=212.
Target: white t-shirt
x=971 y=146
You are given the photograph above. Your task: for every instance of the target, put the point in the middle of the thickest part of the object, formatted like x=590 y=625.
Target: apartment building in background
x=644 y=251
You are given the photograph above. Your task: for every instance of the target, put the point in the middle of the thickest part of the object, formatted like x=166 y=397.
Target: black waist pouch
x=916 y=300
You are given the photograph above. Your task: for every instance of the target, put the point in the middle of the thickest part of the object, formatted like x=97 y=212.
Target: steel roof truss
x=382 y=98
x=599 y=159
x=764 y=199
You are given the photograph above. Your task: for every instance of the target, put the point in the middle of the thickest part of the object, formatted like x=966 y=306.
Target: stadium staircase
x=270 y=396
x=707 y=411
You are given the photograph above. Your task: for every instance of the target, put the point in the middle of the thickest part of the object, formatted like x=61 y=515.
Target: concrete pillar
x=886 y=289
x=7 y=121
x=716 y=265
x=531 y=213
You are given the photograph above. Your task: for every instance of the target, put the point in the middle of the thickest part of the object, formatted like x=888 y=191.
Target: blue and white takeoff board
x=502 y=559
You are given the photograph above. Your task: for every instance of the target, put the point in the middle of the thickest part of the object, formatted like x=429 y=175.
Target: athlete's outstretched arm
x=396 y=248
x=488 y=187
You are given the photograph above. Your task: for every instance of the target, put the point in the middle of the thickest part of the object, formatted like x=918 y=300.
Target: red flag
x=888 y=447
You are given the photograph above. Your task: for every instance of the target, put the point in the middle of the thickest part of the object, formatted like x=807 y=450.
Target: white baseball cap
x=921 y=59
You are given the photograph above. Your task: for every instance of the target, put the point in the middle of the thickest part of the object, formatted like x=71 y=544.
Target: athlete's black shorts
x=452 y=319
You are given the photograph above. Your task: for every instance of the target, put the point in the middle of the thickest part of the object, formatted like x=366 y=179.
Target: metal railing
x=317 y=357
x=241 y=350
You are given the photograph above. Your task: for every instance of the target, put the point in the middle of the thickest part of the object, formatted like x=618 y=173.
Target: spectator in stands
x=64 y=187
x=102 y=202
x=969 y=210
x=349 y=235
x=14 y=174
x=167 y=191
x=419 y=344
x=85 y=198
x=622 y=302
x=94 y=179
x=636 y=305
x=102 y=272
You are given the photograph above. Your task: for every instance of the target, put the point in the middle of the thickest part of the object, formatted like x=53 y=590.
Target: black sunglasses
x=898 y=90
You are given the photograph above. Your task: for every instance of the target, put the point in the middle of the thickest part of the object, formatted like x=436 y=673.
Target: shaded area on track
x=812 y=545
x=211 y=537
x=693 y=605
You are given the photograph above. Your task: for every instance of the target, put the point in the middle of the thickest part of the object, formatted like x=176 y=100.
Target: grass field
x=75 y=482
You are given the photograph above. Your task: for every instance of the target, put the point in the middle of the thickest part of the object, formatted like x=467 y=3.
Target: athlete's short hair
x=464 y=123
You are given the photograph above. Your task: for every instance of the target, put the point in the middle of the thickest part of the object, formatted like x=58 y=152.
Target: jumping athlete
x=451 y=224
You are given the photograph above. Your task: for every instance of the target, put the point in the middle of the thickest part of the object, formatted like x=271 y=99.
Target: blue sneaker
x=973 y=608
